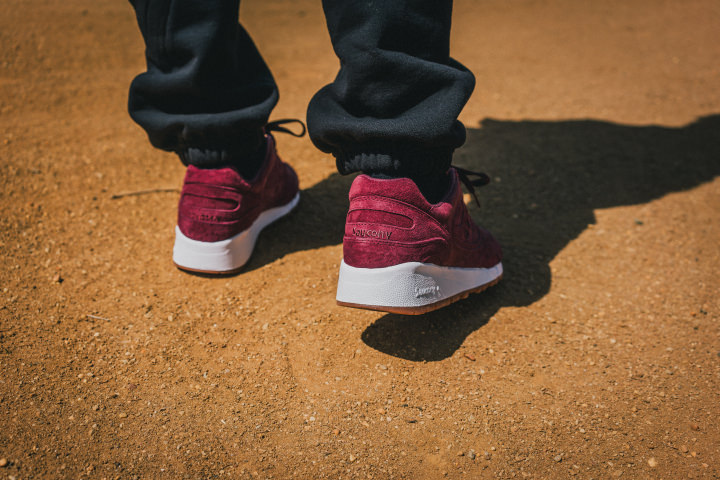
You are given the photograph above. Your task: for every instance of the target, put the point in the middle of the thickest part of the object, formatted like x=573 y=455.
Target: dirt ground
x=598 y=356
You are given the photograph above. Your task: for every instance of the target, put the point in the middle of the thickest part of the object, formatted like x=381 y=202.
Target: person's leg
x=207 y=95
x=207 y=92
x=392 y=109
x=410 y=245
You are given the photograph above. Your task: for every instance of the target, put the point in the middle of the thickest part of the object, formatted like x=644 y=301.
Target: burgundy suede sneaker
x=221 y=213
x=402 y=254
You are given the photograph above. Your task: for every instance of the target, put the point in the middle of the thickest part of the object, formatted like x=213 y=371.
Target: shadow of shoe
x=550 y=178
x=318 y=221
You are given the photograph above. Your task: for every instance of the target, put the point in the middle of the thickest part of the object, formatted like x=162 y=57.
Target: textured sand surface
x=597 y=356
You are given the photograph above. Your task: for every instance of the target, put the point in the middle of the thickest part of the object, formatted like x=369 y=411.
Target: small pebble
x=684 y=449
x=471 y=454
x=652 y=462
x=695 y=426
x=558 y=458
x=352 y=458
x=123 y=415
x=3 y=462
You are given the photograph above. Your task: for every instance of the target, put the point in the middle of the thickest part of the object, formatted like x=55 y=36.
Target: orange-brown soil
x=597 y=356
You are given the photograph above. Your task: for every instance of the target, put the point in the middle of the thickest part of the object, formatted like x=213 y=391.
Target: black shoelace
x=464 y=176
x=277 y=126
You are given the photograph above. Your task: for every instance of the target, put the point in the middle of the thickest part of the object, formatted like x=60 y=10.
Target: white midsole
x=411 y=284
x=225 y=255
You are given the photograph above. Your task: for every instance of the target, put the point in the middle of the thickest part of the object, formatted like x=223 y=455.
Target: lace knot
x=464 y=176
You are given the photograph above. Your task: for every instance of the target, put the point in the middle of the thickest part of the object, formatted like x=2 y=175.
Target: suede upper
x=390 y=222
x=216 y=204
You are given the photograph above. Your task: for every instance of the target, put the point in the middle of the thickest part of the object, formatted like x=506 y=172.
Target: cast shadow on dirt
x=318 y=221
x=550 y=177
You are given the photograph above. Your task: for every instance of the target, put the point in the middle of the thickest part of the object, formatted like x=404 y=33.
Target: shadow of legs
x=550 y=177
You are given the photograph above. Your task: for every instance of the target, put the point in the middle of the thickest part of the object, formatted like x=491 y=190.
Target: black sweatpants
x=391 y=110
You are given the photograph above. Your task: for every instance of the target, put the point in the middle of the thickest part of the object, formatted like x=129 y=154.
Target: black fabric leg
x=393 y=107
x=207 y=92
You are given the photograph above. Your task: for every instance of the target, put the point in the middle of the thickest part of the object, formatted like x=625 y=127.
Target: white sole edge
x=226 y=255
x=411 y=285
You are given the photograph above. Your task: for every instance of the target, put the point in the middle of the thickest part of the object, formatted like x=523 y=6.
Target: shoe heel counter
x=205 y=213
x=381 y=232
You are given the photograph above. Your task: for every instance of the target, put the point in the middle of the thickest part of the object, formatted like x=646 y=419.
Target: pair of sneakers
x=401 y=254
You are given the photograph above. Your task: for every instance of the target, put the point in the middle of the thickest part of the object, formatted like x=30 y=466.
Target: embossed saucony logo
x=207 y=217
x=362 y=232
x=427 y=291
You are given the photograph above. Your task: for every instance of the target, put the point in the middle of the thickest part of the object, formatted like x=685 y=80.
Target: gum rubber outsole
x=419 y=310
x=210 y=273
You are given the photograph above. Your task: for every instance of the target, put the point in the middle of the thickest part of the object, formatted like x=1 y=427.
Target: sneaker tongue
x=434 y=188
x=250 y=164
